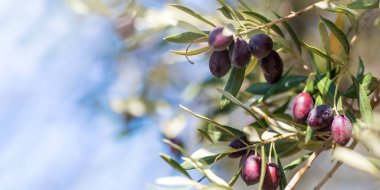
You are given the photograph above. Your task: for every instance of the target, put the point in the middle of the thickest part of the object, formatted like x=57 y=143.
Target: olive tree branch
x=291 y=15
x=333 y=170
x=293 y=182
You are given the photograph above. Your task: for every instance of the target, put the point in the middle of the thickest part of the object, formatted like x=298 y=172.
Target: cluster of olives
x=321 y=118
x=237 y=52
x=251 y=166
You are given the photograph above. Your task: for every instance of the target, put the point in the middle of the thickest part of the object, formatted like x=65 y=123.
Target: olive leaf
x=364 y=103
x=211 y=150
x=338 y=34
x=283 y=181
x=187 y=165
x=175 y=165
x=287 y=83
x=194 y=14
x=263 y=167
x=327 y=89
x=364 y=4
x=296 y=162
x=368 y=82
x=317 y=51
x=187 y=37
x=233 y=85
x=206 y=135
x=191 y=52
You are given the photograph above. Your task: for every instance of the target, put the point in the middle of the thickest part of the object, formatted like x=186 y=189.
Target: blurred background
x=89 y=89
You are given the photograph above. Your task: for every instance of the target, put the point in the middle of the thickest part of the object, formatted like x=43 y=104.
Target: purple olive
x=237 y=144
x=260 y=45
x=239 y=53
x=251 y=168
x=219 y=63
x=220 y=38
x=272 y=177
x=302 y=105
x=341 y=129
x=272 y=67
x=320 y=117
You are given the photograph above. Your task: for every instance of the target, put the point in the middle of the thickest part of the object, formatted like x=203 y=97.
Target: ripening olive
x=220 y=38
x=237 y=144
x=320 y=117
x=272 y=177
x=341 y=130
x=260 y=45
x=302 y=105
x=272 y=67
x=251 y=168
x=219 y=63
x=239 y=53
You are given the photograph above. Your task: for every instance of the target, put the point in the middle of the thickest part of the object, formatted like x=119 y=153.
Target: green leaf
x=208 y=160
x=220 y=134
x=364 y=103
x=192 y=52
x=187 y=37
x=317 y=51
x=238 y=103
x=331 y=7
x=368 y=82
x=283 y=181
x=288 y=82
x=309 y=133
x=309 y=87
x=251 y=65
x=206 y=135
x=226 y=13
x=194 y=14
x=236 y=176
x=264 y=20
x=235 y=132
x=291 y=32
x=211 y=150
x=318 y=101
x=175 y=165
x=364 y=4
x=251 y=134
x=338 y=34
x=327 y=89
x=232 y=12
x=361 y=68
x=233 y=84
x=263 y=167
x=189 y=27
x=325 y=37
x=297 y=162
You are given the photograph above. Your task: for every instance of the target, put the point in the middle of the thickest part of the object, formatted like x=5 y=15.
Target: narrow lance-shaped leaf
x=327 y=89
x=296 y=162
x=288 y=82
x=368 y=82
x=263 y=167
x=364 y=103
x=207 y=160
x=339 y=34
x=317 y=51
x=191 y=52
x=187 y=37
x=194 y=14
x=283 y=181
x=362 y=4
x=211 y=150
x=235 y=177
x=361 y=68
x=309 y=133
x=233 y=84
x=175 y=165
x=231 y=131
x=206 y=135
x=292 y=33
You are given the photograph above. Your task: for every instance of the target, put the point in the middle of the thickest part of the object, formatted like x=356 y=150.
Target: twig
x=292 y=15
x=333 y=170
x=302 y=171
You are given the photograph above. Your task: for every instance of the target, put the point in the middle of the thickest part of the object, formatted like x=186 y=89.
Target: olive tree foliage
x=276 y=132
